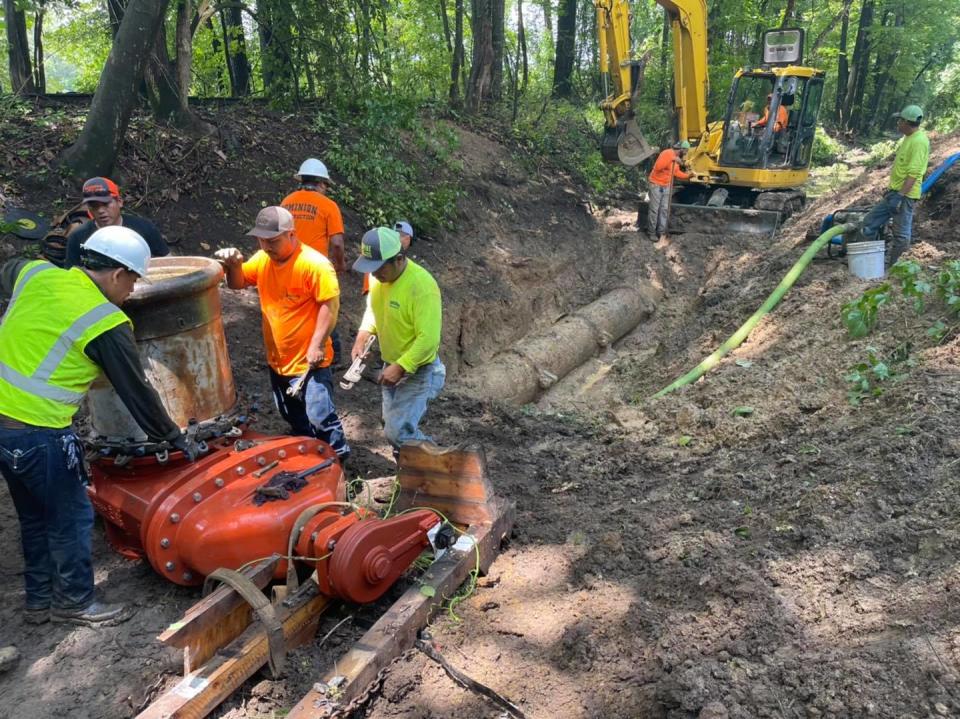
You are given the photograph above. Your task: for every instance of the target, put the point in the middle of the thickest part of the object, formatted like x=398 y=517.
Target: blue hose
x=937 y=172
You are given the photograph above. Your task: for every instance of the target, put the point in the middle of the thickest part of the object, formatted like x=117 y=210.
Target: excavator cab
x=771 y=119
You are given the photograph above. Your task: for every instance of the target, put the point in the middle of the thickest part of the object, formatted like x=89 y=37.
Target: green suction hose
x=737 y=338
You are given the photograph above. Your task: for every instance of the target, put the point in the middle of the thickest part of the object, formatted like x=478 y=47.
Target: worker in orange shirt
x=666 y=166
x=300 y=301
x=318 y=222
x=782 y=117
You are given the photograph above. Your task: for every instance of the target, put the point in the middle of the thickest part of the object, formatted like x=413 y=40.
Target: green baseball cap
x=682 y=145
x=911 y=113
x=378 y=246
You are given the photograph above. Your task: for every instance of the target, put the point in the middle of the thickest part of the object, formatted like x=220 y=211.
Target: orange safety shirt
x=316 y=218
x=290 y=297
x=661 y=168
x=782 y=119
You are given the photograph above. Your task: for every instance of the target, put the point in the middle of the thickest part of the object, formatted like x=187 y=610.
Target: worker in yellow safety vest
x=60 y=330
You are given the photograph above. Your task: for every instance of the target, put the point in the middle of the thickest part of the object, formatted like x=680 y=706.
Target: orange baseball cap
x=100 y=189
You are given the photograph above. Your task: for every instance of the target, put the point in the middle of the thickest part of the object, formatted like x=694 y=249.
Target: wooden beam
x=396 y=630
x=200 y=691
x=452 y=480
x=216 y=620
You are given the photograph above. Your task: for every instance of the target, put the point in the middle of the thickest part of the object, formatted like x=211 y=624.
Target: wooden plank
x=453 y=480
x=396 y=630
x=199 y=693
x=216 y=620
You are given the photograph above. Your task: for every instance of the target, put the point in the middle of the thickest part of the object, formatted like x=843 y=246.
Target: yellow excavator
x=756 y=158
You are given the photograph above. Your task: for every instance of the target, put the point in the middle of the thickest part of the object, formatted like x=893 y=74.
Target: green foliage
x=913 y=282
x=868 y=379
x=569 y=136
x=948 y=285
x=376 y=157
x=826 y=150
x=880 y=152
x=860 y=315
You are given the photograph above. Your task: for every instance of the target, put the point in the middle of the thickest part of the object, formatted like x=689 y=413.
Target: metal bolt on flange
x=174 y=518
x=331 y=544
x=187 y=576
x=261 y=461
x=165 y=543
x=169 y=566
x=301 y=449
x=282 y=454
x=240 y=470
x=219 y=482
x=197 y=496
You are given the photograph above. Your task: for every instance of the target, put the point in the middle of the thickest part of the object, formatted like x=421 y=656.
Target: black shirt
x=116 y=353
x=146 y=229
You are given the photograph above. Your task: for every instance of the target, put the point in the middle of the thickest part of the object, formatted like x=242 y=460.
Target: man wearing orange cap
x=102 y=199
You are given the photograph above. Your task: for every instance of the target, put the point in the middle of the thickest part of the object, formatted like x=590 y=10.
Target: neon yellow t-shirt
x=911 y=161
x=406 y=316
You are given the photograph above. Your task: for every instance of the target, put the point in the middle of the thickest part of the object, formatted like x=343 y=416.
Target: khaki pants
x=657 y=213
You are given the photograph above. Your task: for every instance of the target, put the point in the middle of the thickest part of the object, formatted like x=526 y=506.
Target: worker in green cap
x=906 y=177
x=661 y=177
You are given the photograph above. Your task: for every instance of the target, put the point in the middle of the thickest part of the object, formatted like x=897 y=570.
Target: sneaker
x=98 y=613
x=39 y=615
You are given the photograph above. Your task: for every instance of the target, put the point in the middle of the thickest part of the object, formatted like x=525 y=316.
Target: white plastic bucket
x=865 y=259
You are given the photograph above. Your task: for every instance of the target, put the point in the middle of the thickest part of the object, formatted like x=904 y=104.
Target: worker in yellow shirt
x=906 y=178
x=404 y=311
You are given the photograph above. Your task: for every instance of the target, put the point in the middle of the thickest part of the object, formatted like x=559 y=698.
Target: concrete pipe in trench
x=519 y=374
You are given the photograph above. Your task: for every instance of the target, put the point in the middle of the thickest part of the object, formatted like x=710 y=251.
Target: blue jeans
x=311 y=413
x=44 y=471
x=900 y=208
x=405 y=404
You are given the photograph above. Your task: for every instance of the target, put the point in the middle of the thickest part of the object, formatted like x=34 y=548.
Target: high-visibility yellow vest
x=52 y=316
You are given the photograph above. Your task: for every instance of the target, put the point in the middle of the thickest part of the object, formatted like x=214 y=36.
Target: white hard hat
x=122 y=245
x=313 y=168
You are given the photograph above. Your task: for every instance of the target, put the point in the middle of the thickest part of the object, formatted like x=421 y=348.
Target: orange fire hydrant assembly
x=249 y=496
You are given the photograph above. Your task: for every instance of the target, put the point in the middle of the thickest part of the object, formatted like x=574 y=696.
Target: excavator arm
x=688 y=19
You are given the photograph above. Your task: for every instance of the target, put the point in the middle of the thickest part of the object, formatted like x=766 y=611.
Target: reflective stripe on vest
x=22 y=282
x=38 y=387
x=63 y=344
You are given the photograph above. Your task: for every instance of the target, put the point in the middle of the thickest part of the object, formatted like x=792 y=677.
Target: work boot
x=662 y=238
x=9 y=656
x=97 y=614
x=36 y=615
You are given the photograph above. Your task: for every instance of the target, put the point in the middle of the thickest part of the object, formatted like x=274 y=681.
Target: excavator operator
x=781 y=121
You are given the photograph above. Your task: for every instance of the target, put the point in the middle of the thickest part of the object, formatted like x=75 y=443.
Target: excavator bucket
x=625 y=144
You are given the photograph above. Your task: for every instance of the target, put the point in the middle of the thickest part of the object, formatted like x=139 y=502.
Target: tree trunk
x=215 y=47
x=522 y=47
x=276 y=44
x=456 y=63
x=39 y=71
x=115 y=10
x=486 y=72
x=184 y=50
x=445 y=21
x=235 y=49
x=547 y=7
x=882 y=77
x=566 y=48
x=95 y=151
x=18 y=50
x=788 y=13
x=858 y=66
x=666 y=80
x=160 y=78
x=843 y=70
x=844 y=14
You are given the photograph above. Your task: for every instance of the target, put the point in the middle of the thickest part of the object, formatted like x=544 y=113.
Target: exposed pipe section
x=519 y=374
x=737 y=338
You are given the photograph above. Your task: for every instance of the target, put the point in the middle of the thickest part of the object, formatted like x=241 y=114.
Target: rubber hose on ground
x=737 y=338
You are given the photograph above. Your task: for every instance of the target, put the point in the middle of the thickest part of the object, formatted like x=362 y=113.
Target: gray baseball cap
x=271 y=221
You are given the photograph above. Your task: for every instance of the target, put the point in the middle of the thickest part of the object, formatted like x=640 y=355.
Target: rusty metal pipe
x=178 y=326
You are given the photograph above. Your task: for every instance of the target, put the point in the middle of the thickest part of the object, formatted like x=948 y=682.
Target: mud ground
x=671 y=558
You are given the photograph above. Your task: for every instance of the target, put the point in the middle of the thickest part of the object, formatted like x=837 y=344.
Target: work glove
x=187 y=445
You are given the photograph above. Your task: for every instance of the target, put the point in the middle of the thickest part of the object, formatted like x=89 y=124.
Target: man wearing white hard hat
x=316 y=218
x=60 y=330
